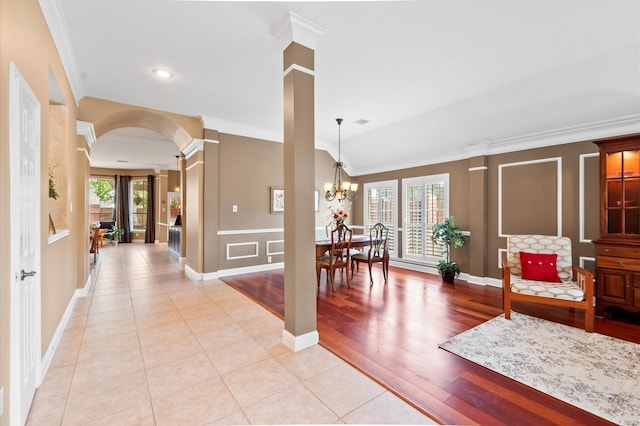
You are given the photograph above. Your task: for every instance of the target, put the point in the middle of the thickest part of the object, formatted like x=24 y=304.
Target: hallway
x=148 y=346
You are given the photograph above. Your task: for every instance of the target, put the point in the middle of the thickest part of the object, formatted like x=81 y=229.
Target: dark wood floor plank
x=391 y=332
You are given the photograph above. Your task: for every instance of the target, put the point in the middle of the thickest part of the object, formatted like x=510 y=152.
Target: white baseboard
x=192 y=274
x=57 y=335
x=493 y=282
x=298 y=343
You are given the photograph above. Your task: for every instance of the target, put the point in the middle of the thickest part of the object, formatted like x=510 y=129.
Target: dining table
x=324 y=244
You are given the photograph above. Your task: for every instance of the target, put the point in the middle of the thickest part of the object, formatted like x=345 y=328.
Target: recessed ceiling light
x=162 y=73
x=361 y=121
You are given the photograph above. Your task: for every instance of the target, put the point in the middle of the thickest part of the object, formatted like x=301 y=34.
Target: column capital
x=300 y=30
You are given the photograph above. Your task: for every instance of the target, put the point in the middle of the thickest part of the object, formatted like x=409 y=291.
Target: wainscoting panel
x=530 y=197
x=589 y=197
x=242 y=250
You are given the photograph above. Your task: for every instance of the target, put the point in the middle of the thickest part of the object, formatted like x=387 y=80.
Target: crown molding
x=85 y=128
x=52 y=11
x=618 y=126
x=232 y=128
x=195 y=146
x=626 y=125
x=297 y=29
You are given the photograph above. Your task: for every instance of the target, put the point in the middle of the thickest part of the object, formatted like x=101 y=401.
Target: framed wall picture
x=277 y=199
x=174 y=202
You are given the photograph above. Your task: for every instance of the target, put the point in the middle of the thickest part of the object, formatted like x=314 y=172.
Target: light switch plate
x=235 y=208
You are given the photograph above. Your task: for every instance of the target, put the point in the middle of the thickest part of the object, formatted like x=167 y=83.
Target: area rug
x=599 y=374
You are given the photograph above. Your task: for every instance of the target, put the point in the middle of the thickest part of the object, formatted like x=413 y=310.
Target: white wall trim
x=250 y=231
x=479 y=168
x=192 y=274
x=86 y=153
x=57 y=335
x=244 y=270
x=85 y=128
x=60 y=234
x=558 y=161
x=195 y=146
x=246 y=256
x=53 y=15
x=583 y=259
x=298 y=343
x=485 y=281
x=500 y=251
x=618 y=126
x=83 y=292
x=581 y=194
x=272 y=253
x=297 y=67
x=297 y=29
x=196 y=164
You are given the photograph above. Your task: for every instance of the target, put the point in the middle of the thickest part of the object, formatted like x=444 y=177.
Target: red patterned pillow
x=539 y=267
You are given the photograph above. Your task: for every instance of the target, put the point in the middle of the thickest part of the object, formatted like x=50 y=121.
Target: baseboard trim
x=45 y=363
x=298 y=343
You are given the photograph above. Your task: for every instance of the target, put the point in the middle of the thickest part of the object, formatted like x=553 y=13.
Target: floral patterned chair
x=539 y=269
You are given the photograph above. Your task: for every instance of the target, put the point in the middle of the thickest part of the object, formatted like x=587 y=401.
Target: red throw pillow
x=539 y=267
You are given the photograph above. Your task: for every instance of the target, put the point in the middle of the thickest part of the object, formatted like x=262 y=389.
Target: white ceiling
x=437 y=79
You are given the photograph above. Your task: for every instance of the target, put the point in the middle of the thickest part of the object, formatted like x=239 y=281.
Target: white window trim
x=395 y=229
x=422 y=180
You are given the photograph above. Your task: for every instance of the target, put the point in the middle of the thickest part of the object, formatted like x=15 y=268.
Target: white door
x=24 y=135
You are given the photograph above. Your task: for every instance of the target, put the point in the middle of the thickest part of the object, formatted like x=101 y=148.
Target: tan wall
x=25 y=40
x=193 y=225
x=458 y=201
x=248 y=169
x=529 y=197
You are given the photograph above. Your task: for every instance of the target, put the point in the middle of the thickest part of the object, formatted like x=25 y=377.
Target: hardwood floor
x=392 y=333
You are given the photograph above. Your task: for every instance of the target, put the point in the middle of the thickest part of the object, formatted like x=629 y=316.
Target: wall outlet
x=1 y=401
x=268 y=259
x=235 y=208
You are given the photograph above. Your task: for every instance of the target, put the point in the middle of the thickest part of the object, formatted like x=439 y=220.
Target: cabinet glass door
x=623 y=192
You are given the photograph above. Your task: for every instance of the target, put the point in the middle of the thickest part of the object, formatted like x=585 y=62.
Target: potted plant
x=449 y=235
x=115 y=234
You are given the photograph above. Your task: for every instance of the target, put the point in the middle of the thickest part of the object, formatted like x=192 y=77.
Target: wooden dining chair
x=378 y=251
x=338 y=256
x=95 y=246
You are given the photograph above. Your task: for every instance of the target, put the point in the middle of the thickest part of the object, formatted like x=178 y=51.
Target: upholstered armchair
x=539 y=269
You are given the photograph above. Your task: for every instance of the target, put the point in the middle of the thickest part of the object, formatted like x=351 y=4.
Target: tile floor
x=149 y=347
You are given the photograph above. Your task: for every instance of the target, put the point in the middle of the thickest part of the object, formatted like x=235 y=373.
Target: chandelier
x=338 y=189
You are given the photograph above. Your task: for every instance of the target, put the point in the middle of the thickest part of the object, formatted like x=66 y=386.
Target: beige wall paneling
x=589 y=197
x=477 y=216
x=242 y=250
x=530 y=197
x=274 y=248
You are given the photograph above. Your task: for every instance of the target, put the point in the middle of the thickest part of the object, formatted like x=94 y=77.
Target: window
x=138 y=206
x=380 y=205
x=426 y=202
x=101 y=199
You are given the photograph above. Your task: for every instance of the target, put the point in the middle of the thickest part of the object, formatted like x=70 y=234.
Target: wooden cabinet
x=618 y=248
x=175 y=241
